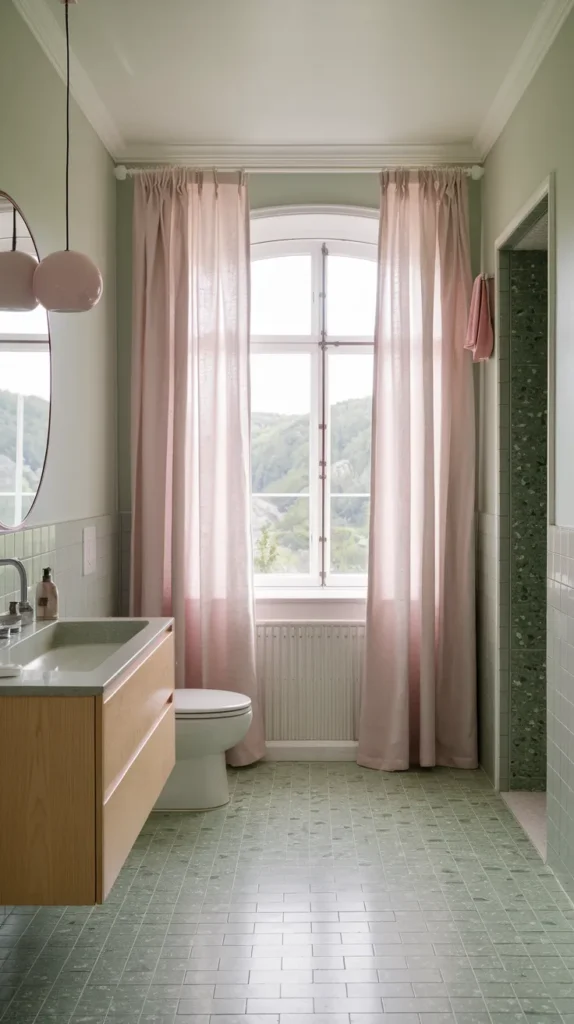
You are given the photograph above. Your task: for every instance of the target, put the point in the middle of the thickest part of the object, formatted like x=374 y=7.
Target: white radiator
x=310 y=674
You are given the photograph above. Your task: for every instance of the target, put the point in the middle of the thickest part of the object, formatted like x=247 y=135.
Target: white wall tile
x=61 y=548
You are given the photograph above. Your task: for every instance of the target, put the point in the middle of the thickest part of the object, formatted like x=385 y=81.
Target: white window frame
x=345 y=233
x=22 y=343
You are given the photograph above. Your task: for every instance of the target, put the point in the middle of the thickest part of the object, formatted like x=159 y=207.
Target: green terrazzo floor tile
x=321 y=893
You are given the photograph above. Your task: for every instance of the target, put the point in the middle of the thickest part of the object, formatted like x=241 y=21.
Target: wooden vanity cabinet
x=78 y=778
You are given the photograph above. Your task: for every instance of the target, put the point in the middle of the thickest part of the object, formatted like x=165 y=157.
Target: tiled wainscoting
x=560 y=641
x=60 y=547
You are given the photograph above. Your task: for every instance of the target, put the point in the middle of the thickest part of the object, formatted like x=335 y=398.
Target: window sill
x=311 y=594
x=310 y=605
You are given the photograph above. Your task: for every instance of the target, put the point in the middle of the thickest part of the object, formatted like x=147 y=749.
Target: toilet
x=207 y=723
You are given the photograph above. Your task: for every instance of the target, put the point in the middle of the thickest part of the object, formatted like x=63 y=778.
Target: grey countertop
x=48 y=638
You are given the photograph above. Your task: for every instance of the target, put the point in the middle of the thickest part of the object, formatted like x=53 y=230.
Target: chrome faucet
x=21 y=570
x=24 y=609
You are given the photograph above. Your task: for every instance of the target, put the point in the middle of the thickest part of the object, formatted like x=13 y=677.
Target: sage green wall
x=265 y=190
x=538 y=139
x=80 y=477
x=125 y=198
x=313 y=189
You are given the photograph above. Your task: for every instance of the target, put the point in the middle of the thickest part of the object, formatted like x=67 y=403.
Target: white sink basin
x=75 y=656
x=73 y=646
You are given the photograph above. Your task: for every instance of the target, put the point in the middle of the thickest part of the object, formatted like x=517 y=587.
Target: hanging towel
x=479 y=336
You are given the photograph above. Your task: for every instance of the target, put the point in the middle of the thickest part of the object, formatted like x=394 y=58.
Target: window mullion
x=314 y=456
x=324 y=440
x=315 y=514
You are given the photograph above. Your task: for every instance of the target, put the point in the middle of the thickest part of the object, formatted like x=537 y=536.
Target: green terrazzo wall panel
x=528 y=517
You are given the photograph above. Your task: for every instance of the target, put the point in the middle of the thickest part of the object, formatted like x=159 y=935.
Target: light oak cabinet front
x=78 y=778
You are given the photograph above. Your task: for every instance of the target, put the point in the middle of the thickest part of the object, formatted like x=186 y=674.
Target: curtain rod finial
x=476 y=172
x=121 y=172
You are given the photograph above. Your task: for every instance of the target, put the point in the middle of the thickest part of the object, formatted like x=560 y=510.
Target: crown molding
x=332 y=157
x=276 y=158
x=315 y=210
x=528 y=59
x=50 y=35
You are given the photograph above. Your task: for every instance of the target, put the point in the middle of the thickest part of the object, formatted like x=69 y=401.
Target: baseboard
x=311 y=750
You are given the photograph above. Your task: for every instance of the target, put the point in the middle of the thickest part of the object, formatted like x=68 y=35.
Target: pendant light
x=67 y=281
x=16 y=277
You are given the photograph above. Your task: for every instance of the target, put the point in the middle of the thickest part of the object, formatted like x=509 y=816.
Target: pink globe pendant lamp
x=67 y=281
x=16 y=278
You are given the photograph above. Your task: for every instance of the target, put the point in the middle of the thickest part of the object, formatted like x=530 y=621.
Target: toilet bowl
x=207 y=723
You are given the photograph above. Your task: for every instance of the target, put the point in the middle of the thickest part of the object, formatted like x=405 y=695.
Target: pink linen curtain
x=419 y=695
x=191 y=530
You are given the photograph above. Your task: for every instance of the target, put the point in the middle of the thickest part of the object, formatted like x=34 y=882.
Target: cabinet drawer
x=130 y=802
x=47 y=800
x=131 y=709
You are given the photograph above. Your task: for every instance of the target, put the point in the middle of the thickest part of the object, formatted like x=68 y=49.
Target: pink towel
x=479 y=336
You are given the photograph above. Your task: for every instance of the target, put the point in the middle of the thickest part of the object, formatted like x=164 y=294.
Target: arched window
x=313 y=298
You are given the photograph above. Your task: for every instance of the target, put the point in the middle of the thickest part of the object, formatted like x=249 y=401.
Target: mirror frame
x=22 y=526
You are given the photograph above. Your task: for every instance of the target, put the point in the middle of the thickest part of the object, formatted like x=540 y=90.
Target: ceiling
x=155 y=75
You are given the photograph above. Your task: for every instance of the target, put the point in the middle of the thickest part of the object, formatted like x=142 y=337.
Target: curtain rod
x=475 y=171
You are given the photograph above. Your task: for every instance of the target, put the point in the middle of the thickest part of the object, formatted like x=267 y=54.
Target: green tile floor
x=322 y=894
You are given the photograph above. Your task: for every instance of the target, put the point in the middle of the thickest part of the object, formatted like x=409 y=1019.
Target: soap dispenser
x=47 y=597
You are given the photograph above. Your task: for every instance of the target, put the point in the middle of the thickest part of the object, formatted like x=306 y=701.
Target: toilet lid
x=197 y=703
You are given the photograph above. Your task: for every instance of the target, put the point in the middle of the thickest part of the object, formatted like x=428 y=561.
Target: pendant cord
x=66 y=5
x=14 y=229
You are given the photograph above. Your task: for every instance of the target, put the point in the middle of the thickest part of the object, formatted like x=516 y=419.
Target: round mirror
x=24 y=388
